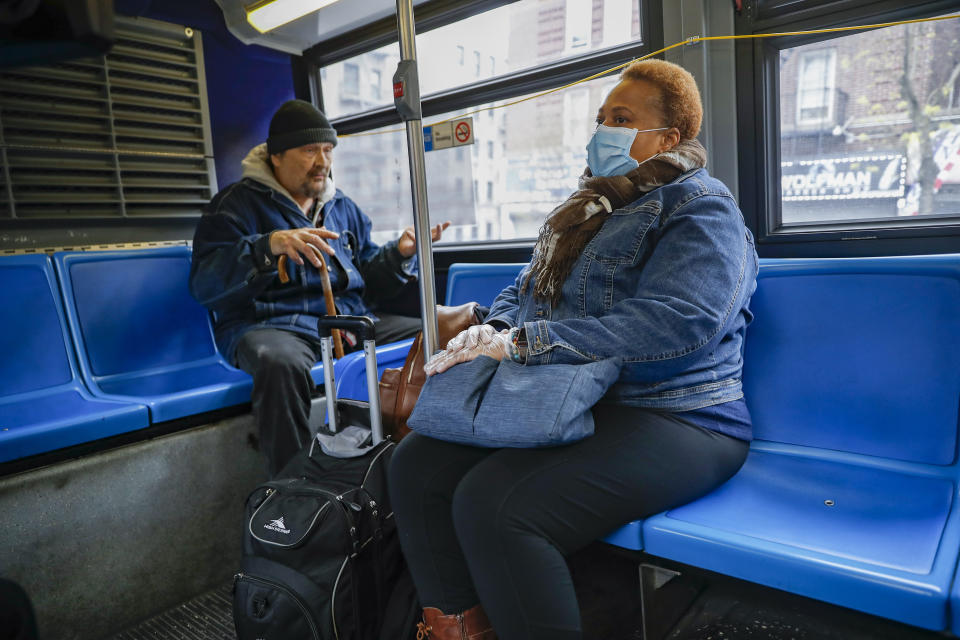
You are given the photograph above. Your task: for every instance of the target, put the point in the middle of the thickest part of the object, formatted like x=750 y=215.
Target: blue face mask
x=608 y=152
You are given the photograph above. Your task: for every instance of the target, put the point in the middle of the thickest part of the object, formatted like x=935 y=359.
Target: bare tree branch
x=951 y=80
x=905 y=85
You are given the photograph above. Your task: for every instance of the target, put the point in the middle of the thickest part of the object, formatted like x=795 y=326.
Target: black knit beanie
x=297 y=123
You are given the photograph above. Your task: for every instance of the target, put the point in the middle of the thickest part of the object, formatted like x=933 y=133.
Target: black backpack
x=321 y=558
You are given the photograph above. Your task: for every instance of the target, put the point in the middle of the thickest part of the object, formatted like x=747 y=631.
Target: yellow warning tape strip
x=119 y=246
x=688 y=41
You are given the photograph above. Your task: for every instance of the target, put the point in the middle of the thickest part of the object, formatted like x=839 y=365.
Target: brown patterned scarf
x=570 y=226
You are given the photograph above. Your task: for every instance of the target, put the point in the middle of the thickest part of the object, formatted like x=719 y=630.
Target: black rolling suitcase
x=321 y=559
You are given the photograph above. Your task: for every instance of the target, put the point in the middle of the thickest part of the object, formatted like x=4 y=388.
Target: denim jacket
x=665 y=284
x=234 y=273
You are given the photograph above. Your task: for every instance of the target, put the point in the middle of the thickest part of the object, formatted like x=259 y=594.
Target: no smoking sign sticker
x=463 y=132
x=455 y=133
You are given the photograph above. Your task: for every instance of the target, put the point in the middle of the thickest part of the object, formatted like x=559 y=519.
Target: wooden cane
x=327 y=296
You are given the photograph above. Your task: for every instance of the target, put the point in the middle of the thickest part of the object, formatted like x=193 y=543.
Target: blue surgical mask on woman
x=608 y=152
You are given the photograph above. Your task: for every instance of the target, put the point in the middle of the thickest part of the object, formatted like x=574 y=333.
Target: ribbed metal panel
x=123 y=135
x=206 y=617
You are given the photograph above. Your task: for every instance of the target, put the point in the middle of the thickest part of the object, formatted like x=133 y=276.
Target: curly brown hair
x=679 y=98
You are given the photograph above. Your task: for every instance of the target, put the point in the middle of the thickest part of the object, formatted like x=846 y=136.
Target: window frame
x=758 y=95
x=438 y=13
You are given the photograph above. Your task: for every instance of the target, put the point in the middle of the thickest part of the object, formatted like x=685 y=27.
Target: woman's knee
x=412 y=461
x=402 y=463
x=482 y=510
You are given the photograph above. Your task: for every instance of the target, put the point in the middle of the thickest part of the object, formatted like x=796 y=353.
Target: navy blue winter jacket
x=235 y=275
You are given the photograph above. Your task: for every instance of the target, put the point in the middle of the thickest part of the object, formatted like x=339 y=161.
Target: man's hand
x=307 y=242
x=407 y=244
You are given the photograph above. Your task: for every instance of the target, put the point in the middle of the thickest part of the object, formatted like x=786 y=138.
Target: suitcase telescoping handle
x=363 y=327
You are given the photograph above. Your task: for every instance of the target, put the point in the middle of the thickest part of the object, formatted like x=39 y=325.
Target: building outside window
x=869 y=131
x=578 y=25
x=351 y=79
x=375 y=79
x=815 y=87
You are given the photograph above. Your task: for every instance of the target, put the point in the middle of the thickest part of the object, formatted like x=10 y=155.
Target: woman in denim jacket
x=649 y=261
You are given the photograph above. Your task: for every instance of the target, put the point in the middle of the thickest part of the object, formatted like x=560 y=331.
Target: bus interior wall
x=239 y=116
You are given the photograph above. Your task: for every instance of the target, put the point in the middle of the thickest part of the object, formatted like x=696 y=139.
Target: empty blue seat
x=629 y=536
x=43 y=404
x=469 y=282
x=350 y=371
x=141 y=337
x=851 y=374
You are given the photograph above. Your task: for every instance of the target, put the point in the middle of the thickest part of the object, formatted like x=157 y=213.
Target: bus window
x=479 y=48
x=870 y=126
x=528 y=158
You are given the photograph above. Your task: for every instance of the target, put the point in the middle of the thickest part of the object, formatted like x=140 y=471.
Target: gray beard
x=310 y=191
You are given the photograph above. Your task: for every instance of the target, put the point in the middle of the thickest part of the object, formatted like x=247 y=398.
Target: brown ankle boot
x=472 y=624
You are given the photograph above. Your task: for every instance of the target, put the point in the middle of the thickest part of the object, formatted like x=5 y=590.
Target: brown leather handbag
x=400 y=388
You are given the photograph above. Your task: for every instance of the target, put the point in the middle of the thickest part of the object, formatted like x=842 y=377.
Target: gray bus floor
x=733 y=610
x=207 y=617
x=607 y=589
x=718 y=614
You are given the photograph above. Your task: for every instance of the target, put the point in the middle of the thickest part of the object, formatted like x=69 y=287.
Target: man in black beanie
x=287 y=204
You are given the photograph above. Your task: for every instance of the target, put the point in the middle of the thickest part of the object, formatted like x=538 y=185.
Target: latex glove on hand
x=471 y=338
x=497 y=347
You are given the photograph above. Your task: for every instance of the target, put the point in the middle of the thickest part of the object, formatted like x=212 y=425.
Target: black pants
x=494 y=525
x=280 y=363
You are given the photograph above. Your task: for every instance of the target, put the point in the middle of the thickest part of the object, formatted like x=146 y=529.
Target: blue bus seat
x=141 y=337
x=851 y=375
x=43 y=404
x=350 y=371
x=955 y=606
x=469 y=282
x=629 y=536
